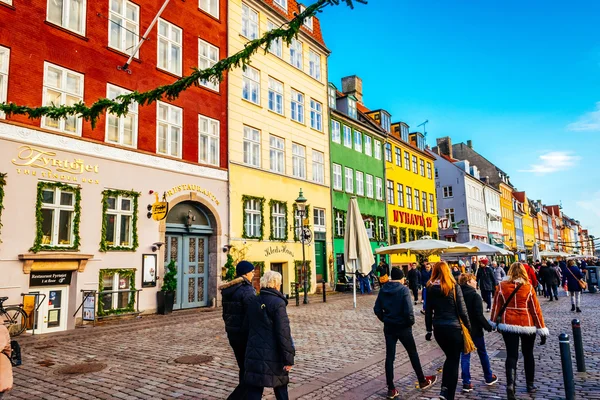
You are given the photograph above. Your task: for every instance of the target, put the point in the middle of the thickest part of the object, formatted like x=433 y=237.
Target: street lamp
x=301 y=207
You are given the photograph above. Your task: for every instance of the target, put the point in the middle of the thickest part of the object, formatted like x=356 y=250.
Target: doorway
x=321 y=260
x=52 y=314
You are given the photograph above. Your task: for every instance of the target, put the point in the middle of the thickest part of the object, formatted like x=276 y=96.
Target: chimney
x=353 y=85
x=444 y=146
x=470 y=144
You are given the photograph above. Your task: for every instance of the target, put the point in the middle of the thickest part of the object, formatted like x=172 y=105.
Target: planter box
x=165 y=301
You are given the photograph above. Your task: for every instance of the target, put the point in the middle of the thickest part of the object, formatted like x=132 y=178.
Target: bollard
x=324 y=292
x=297 y=294
x=577 y=339
x=567 y=366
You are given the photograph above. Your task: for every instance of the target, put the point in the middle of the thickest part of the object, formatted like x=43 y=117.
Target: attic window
x=282 y=4
x=352 y=107
x=332 y=97
x=385 y=121
x=308 y=22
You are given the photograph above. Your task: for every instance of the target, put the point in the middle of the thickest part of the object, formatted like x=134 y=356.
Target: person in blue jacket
x=425 y=277
x=571 y=276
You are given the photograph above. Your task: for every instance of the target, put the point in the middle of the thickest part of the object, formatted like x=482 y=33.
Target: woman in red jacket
x=519 y=317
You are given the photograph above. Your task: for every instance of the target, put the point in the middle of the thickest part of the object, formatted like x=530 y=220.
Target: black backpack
x=15 y=357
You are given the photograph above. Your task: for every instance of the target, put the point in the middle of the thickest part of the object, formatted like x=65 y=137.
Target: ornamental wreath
x=104 y=246
x=261 y=201
x=283 y=204
x=124 y=274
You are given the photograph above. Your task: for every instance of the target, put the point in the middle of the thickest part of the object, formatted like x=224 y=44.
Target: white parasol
x=426 y=246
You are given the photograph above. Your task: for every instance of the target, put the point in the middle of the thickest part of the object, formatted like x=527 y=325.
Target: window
x=118 y=220
x=390 y=192
x=431 y=204
x=299 y=160
x=369 y=225
x=414 y=164
x=393 y=235
x=208 y=140
x=358 y=141
x=406 y=161
x=318 y=167
x=377 y=145
x=337 y=177
x=349 y=173
x=379 y=188
x=336 y=136
x=277 y=154
x=368 y=146
x=121 y=130
x=296 y=53
x=275 y=96
x=422 y=167
x=70 y=14
x=251 y=85
x=4 y=59
x=429 y=170
x=319 y=220
x=279 y=220
x=417 y=200
x=449 y=213
x=210 y=6
x=113 y=280
x=447 y=191
x=170 y=42
x=388 y=152
x=424 y=200
x=404 y=132
x=249 y=22
x=398 y=156
x=332 y=96
x=253 y=218
x=297 y=106
x=58 y=212
x=314 y=65
x=123 y=25
x=62 y=86
x=340 y=225
x=360 y=183
x=369 y=181
x=352 y=108
x=276 y=47
x=251 y=146
x=403 y=235
x=347 y=136
x=316 y=115
x=208 y=55
x=308 y=22
x=281 y=3
x=409 y=200
x=169 y=127
x=400 y=195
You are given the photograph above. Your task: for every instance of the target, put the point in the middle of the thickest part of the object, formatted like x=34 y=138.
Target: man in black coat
x=486 y=283
x=414 y=280
x=551 y=279
x=237 y=295
x=393 y=307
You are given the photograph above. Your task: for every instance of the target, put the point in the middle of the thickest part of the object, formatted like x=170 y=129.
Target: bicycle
x=14 y=317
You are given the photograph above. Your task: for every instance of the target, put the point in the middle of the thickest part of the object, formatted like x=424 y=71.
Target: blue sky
x=521 y=79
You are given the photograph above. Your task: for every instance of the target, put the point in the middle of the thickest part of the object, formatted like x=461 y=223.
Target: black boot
x=531 y=388
x=572 y=307
x=511 y=380
x=578 y=309
x=551 y=299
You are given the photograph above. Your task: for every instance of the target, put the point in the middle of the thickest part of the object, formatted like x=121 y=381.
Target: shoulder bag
x=503 y=308
x=581 y=282
x=469 y=346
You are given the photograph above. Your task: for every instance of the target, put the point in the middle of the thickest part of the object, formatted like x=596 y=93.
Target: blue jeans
x=465 y=361
x=365 y=285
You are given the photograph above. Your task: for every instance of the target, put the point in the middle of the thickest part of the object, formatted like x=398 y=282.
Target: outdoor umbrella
x=549 y=253
x=426 y=246
x=484 y=249
x=357 y=248
x=536 y=252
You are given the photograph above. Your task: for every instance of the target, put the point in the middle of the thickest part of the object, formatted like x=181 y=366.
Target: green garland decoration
x=261 y=201
x=104 y=246
x=120 y=105
x=37 y=244
x=343 y=213
x=294 y=227
x=402 y=234
x=123 y=273
x=272 y=234
x=2 y=184
x=298 y=268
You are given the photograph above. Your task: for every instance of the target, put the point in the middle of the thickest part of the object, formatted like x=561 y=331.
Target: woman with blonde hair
x=445 y=310
x=518 y=316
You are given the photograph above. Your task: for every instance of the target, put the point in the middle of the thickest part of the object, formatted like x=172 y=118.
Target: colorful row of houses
x=213 y=173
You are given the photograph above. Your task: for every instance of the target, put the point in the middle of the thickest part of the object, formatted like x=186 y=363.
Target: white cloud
x=553 y=161
x=587 y=122
x=591 y=209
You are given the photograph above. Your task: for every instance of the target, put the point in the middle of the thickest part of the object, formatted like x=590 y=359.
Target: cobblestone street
x=340 y=354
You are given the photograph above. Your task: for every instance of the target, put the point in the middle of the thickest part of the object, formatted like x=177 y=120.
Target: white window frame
x=368 y=145
x=332 y=97
x=449 y=213
x=318 y=166
x=428 y=170
x=296 y=54
x=210 y=6
x=379 y=188
x=209 y=140
x=4 y=68
x=308 y=22
x=251 y=146
x=75 y=95
x=406 y=160
x=250 y=22
x=66 y=14
x=337 y=177
x=172 y=66
x=206 y=59
x=409 y=199
x=336 y=135
x=276 y=47
x=415 y=167
x=358 y=146
x=388 y=152
x=319 y=221
x=171 y=124
x=352 y=108
x=424 y=201
x=117 y=298
x=316 y=115
x=398 y=153
x=251 y=85
x=253 y=218
x=299 y=161
x=377 y=149
x=276 y=100
x=417 y=200
x=431 y=204
x=349 y=179
x=422 y=167
x=132 y=113
x=279 y=220
x=447 y=192
x=347 y=136
x=118 y=212
x=297 y=106
x=127 y=27
x=281 y=3
x=391 y=195
x=369 y=183
x=314 y=64
x=339 y=223
x=360 y=183
x=276 y=154
x=400 y=193
x=56 y=207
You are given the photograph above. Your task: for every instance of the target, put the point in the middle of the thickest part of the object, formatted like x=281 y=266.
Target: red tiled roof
x=294 y=7
x=361 y=107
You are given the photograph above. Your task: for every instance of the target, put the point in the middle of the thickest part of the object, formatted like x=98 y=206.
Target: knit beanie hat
x=397 y=274
x=243 y=268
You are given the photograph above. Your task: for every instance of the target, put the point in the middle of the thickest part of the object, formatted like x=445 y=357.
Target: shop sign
x=193 y=188
x=412 y=219
x=159 y=209
x=49 y=278
x=89 y=306
x=283 y=249
x=444 y=223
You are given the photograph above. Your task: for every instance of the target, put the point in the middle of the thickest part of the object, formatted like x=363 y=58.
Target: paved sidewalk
x=340 y=355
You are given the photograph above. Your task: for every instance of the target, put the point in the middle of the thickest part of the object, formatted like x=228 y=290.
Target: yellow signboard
x=159 y=209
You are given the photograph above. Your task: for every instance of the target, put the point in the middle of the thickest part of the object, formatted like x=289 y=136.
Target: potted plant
x=165 y=298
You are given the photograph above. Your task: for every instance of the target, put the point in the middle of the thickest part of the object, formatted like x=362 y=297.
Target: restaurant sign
x=412 y=219
x=49 y=278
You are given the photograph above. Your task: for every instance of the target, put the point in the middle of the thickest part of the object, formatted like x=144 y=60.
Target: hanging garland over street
x=119 y=106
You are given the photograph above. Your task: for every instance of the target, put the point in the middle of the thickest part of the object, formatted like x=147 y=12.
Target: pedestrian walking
x=270 y=352
x=572 y=283
x=425 y=277
x=383 y=270
x=394 y=308
x=414 y=280
x=551 y=279
x=479 y=323
x=6 y=373
x=486 y=282
x=499 y=273
x=237 y=294
x=531 y=275
x=456 y=272
x=444 y=313
x=518 y=316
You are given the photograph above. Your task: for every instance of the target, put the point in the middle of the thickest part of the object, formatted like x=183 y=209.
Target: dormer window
x=385 y=121
x=352 y=107
x=308 y=22
x=404 y=132
x=282 y=4
x=420 y=142
x=331 y=92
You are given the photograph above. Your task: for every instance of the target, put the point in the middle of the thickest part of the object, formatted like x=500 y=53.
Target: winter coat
x=236 y=296
x=441 y=311
x=6 y=373
x=485 y=279
x=394 y=306
x=569 y=280
x=383 y=269
x=456 y=274
x=523 y=314
x=531 y=274
x=425 y=276
x=414 y=278
x=474 y=305
x=499 y=274
x=270 y=345
x=549 y=275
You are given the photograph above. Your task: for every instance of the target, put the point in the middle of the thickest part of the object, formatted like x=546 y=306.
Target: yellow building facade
x=278 y=144
x=508 y=217
x=528 y=229
x=410 y=192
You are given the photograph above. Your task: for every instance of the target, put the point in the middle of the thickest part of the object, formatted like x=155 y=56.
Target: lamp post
x=301 y=207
